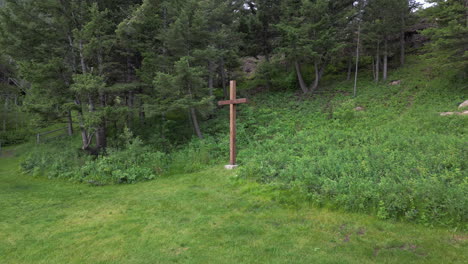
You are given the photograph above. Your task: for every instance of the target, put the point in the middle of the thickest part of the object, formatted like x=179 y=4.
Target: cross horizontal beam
x=235 y=101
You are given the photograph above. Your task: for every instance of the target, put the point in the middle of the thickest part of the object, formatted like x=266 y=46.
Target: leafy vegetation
x=396 y=159
x=132 y=162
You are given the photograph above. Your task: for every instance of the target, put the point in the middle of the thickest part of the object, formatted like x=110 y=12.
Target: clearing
x=204 y=217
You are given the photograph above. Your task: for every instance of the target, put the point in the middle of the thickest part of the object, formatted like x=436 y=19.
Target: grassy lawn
x=196 y=218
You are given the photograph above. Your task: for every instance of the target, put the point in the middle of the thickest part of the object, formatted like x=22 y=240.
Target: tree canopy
x=125 y=63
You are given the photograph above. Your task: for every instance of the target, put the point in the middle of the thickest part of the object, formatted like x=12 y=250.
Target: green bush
x=14 y=137
x=134 y=164
x=59 y=159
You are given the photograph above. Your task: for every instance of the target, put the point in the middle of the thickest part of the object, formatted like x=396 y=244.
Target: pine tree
x=450 y=37
x=53 y=43
x=311 y=34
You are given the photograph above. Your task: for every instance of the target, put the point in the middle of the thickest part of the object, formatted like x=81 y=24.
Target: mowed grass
x=204 y=217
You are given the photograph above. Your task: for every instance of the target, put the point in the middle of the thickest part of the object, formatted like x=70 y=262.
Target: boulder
x=447 y=113
x=464 y=104
x=454 y=113
x=250 y=65
x=359 y=108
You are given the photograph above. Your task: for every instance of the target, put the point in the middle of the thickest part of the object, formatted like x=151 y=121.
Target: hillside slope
x=387 y=152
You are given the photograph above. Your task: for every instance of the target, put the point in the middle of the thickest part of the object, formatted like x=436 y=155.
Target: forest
x=356 y=112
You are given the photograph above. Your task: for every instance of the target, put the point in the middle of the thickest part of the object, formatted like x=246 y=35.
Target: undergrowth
x=396 y=159
x=132 y=162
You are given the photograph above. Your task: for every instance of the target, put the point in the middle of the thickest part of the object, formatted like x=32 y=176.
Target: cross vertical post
x=232 y=141
x=232 y=104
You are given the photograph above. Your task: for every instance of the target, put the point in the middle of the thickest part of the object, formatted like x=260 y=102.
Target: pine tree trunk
x=350 y=68
x=385 y=62
x=85 y=138
x=302 y=84
x=130 y=104
x=377 y=63
x=82 y=60
x=5 y=113
x=100 y=131
x=196 y=126
x=318 y=76
x=402 y=41
x=141 y=112
x=72 y=47
x=70 y=123
x=211 y=70
x=223 y=80
x=84 y=134
x=4 y=121
x=16 y=112
x=101 y=138
x=357 y=60
x=373 y=68
x=163 y=121
x=268 y=77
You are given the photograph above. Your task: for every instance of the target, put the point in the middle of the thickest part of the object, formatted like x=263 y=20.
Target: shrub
x=59 y=159
x=14 y=137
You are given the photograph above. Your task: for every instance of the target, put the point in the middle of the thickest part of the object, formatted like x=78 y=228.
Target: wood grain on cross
x=233 y=102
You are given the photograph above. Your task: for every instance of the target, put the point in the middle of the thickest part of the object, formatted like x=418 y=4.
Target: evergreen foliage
x=450 y=36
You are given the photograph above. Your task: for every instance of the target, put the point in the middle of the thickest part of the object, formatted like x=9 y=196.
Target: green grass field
x=204 y=217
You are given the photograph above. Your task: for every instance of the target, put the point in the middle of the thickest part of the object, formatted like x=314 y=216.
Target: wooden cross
x=233 y=102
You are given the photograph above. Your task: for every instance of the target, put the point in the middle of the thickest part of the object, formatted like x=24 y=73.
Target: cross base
x=230 y=167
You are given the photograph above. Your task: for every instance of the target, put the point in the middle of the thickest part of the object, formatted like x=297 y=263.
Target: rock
x=447 y=113
x=464 y=104
x=359 y=108
x=250 y=65
x=454 y=113
x=397 y=82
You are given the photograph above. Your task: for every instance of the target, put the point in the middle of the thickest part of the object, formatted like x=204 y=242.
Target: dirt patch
x=410 y=101
x=406 y=247
x=346 y=238
x=460 y=238
x=179 y=251
x=361 y=231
